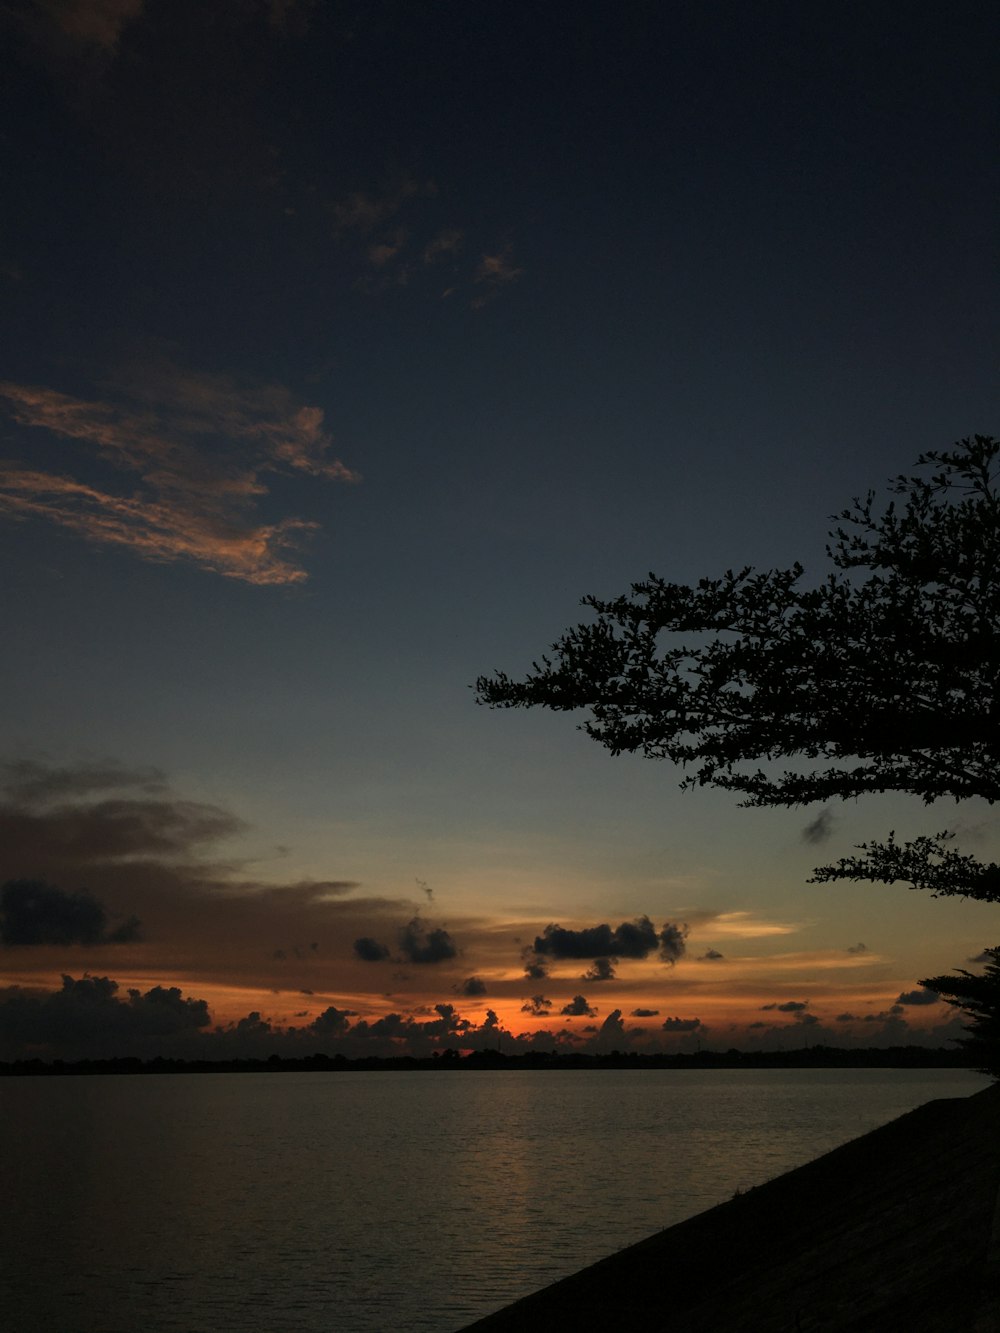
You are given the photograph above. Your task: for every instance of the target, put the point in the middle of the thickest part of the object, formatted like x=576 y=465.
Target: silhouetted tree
x=881 y=677
x=979 y=997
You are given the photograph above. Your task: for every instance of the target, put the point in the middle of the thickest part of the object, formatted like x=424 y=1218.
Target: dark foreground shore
x=895 y=1232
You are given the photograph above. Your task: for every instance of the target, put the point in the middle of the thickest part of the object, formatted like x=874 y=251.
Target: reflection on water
x=351 y=1202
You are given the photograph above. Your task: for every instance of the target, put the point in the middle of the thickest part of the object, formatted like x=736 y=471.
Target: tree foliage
x=928 y=862
x=880 y=677
x=978 y=996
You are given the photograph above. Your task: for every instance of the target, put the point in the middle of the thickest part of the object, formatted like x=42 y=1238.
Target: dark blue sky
x=573 y=291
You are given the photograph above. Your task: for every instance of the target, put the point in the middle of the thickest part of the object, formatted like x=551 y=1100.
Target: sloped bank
x=896 y=1231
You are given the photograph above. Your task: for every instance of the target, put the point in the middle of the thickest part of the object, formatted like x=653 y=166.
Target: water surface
x=381 y=1202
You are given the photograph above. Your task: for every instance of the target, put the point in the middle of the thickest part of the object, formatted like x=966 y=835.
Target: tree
x=979 y=997
x=880 y=676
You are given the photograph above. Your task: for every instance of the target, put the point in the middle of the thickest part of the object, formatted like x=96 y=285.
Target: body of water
x=381 y=1202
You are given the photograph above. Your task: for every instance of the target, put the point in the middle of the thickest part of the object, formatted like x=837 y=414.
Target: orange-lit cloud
x=746 y=926
x=200 y=446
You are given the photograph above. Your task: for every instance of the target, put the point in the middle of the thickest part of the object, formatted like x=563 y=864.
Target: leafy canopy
x=884 y=674
x=979 y=997
x=880 y=677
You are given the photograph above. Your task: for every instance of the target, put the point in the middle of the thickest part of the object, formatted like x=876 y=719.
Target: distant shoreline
x=807 y=1057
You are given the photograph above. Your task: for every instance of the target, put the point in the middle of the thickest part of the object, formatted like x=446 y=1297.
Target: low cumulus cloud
x=602 y=969
x=191 y=456
x=681 y=1024
x=370 y=950
x=88 y=1013
x=607 y=945
x=710 y=956
x=857 y=948
x=578 y=1007
x=787 y=1007
x=918 y=997
x=417 y=944
x=471 y=986
x=611 y=1033
x=644 y=1013
x=34 y=913
x=537 y=1005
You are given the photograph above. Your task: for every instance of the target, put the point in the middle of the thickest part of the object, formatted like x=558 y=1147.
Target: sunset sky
x=348 y=345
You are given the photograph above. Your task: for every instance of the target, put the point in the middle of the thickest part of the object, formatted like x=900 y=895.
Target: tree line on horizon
x=804 y=1057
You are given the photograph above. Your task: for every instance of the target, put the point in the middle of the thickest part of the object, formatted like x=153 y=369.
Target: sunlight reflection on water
x=364 y=1202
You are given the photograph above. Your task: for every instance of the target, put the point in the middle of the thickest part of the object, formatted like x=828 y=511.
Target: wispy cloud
x=819 y=829
x=382 y=252
x=445 y=243
x=494 y=272
x=93 y=23
x=362 y=211
x=745 y=926
x=200 y=446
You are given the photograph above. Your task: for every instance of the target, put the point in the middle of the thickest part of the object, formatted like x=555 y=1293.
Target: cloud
x=857 y=948
x=34 y=913
x=537 y=1006
x=192 y=454
x=88 y=1015
x=743 y=925
x=380 y=253
x=535 y=971
x=644 y=1013
x=361 y=212
x=84 y=34
x=819 y=829
x=632 y=939
x=681 y=1024
x=157 y=858
x=445 y=243
x=601 y=969
x=419 y=945
x=93 y=22
x=578 y=1008
x=710 y=956
x=494 y=272
x=788 y=1007
x=332 y=1022
x=471 y=986
x=918 y=997
x=611 y=1033
x=113 y=829
x=369 y=950
x=31 y=783
x=672 y=942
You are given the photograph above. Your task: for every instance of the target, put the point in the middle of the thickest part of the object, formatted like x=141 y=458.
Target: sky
x=346 y=347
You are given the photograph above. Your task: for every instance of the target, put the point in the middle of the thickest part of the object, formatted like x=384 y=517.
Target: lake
x=381 y=1202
